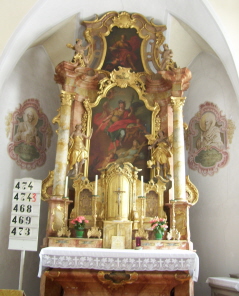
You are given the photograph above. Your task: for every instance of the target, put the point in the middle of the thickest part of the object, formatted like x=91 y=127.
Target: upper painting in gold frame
x=126 y=40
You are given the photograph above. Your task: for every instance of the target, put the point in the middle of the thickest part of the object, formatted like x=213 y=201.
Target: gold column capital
x=177 y=102
x=67 y=98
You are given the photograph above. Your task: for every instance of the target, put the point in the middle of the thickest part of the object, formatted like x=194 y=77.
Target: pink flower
x=79 y=221
x=159 y=223
x=154 y=221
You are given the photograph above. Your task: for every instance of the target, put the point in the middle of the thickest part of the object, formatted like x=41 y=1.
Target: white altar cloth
x=114 y=259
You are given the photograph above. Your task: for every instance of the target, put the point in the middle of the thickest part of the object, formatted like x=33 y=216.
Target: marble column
x=178 y=149
x=63 y=119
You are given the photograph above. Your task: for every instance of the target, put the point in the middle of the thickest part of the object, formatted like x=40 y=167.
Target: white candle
x=96 y=184
x=66 y=186
x=142 y=185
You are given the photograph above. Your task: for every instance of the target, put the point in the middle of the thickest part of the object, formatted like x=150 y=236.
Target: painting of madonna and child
x=123 y=49
x=120 y=123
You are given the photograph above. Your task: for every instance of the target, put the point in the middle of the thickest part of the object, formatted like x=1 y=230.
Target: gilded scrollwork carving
x=64 y=231
x=47 y=184
x=126 y=169
x=66 y=98
x=83 y=197
x=124 y=78
x=117 y=279
x=123 y=20
x=86 y=116
x=56 y=119
x=178 y=102
x=57 y=217
x=155 y=198
x=141 y=232
x=192 y=193
x=94 y=232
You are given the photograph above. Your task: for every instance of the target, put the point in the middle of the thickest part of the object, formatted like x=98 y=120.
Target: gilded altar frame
x=123 y=78
x=159 y=86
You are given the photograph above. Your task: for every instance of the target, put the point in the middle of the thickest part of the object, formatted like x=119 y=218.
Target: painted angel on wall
x=30 y=134
x=210 y=134
x=208 y=140
x=27 y=130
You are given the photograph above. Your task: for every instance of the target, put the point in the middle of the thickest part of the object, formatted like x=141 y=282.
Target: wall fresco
x=30 y=135
x=208 y=138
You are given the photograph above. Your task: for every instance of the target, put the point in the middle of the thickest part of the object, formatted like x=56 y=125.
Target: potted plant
x=159 y=225
x=79 y=225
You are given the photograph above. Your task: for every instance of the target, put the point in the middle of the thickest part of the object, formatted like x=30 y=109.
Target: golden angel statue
x=77 y=153
x=161 y=154
x=80 y=52
x=166 y=58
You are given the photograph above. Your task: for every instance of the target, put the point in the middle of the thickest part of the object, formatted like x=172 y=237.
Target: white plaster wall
x=12 y=13
x=214 y=219
x=32 y=78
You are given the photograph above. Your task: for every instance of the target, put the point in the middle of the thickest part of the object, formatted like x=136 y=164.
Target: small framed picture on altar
x=118 y=242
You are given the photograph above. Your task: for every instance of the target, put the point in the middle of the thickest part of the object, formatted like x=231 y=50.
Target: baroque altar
x=120 y=152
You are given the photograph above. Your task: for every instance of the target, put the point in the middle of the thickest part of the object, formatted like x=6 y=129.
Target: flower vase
x=79 y=232
x=158 y=235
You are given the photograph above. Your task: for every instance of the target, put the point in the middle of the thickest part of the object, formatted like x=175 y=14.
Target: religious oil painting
x=30 y=135
x=208 y=140
x=123 y=49
x=120 y=122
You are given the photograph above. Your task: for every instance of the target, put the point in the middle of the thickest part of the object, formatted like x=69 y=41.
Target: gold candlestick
x=94 y=231
x=141 y=231
x=173 y=233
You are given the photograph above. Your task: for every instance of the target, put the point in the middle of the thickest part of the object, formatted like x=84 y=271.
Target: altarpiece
x=120 y=152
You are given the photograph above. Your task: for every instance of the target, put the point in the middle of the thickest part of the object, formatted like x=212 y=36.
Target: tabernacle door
x=119 y=198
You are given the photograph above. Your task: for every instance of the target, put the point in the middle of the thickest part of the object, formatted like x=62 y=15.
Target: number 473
x=21 y=231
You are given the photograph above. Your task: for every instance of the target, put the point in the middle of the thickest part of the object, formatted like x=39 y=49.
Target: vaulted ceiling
x=192 y=27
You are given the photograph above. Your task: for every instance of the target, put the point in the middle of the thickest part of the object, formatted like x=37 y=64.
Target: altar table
x=72 y=268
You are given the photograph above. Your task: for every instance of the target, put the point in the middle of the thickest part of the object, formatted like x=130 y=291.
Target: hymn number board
x=26 y=200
